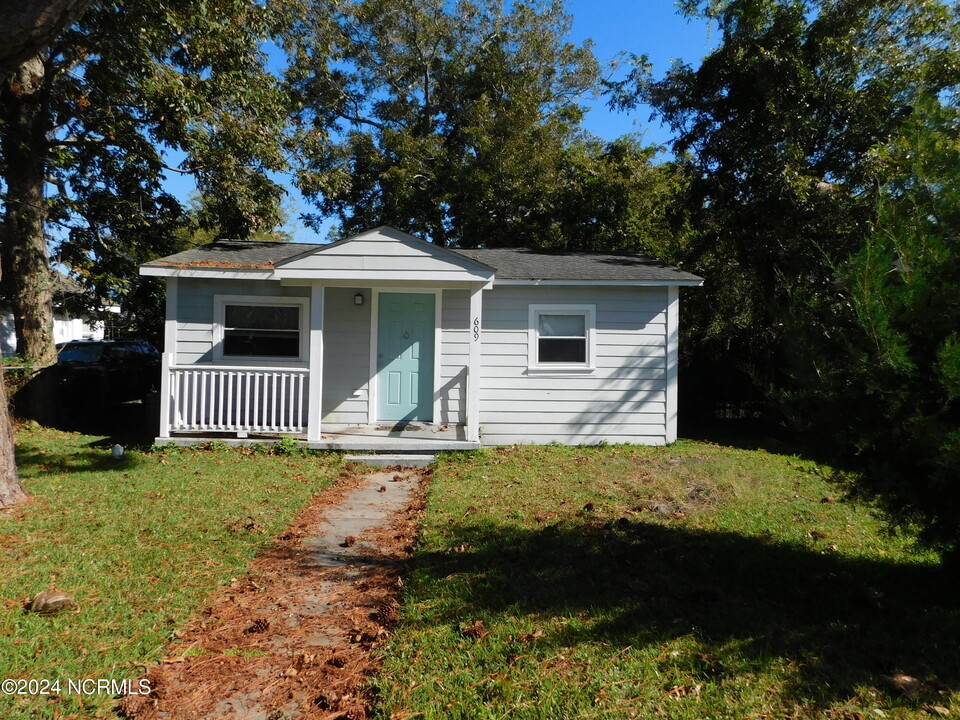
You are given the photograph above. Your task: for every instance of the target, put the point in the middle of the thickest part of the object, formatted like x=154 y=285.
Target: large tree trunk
x=10 y=490
x=29 y=26
x=28 y=280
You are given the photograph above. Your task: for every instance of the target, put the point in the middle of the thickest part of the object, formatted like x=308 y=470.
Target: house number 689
x=476 y=328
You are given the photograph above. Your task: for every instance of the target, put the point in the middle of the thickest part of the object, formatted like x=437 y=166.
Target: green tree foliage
x=777 y=125
x=460 y=122
x=130 y=93
x=615 y=196
x=822 y=143
x=878 y=369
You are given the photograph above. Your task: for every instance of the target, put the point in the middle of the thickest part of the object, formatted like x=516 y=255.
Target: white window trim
x=219 y=312
x=534 y=366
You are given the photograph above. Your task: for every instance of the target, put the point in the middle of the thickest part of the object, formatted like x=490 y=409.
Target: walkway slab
x=394 y=460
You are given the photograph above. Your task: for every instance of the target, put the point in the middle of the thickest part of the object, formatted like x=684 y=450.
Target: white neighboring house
x=66 y=326
x=385 y=341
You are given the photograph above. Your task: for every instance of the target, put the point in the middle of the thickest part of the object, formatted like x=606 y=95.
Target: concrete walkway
x=292 y=641
x=367 y=508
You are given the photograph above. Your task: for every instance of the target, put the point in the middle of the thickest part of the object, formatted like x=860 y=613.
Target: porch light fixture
x=358 y=299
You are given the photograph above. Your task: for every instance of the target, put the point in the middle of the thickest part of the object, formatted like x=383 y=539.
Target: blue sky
x=651 y=27
x=643 y=27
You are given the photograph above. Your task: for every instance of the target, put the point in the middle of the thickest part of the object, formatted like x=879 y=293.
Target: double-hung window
x=561 y=338
x=261 y=328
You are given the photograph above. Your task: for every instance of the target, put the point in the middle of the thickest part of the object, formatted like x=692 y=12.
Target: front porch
x=242 y=406
x=418 y=437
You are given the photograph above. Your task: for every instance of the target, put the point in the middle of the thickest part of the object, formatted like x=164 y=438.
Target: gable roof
x=375 y=251
x=383 y=253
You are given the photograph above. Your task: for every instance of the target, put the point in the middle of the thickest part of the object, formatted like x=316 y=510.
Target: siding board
x=346 y=358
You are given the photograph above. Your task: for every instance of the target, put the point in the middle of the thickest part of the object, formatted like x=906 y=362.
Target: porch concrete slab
x=375 y=444
x=401 y=437
x=421 y=438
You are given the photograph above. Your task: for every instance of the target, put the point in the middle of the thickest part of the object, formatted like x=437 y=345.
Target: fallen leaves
x=476 y=630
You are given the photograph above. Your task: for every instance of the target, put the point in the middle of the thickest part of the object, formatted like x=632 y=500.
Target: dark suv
x=108 y=372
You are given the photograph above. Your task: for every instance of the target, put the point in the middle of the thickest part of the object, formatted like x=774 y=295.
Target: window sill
x=560 y=370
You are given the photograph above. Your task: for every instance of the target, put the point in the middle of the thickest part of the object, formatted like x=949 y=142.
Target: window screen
x=561 y=338
x=261 y=331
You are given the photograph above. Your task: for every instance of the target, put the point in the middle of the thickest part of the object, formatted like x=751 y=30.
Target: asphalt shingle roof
x=527 y=264
x=235 y=253
x=509 y=263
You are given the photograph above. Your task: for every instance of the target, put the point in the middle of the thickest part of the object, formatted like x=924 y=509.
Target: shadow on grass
x=840 y=621
x=86 y=409
x=96 y=457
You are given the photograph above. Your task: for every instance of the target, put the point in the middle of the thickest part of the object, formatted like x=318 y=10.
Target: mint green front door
x=405 y=326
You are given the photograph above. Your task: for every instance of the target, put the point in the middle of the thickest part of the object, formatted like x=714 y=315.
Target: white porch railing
x=232 y=399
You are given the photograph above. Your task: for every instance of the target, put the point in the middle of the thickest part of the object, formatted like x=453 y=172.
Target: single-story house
x=385 y=338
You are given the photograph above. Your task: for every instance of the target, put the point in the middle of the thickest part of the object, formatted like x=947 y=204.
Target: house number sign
x=476 y=328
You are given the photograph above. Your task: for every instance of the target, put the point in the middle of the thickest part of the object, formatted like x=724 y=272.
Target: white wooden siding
x=346 y=357
x=195 y=311
x=455 y=356
x=622 y=400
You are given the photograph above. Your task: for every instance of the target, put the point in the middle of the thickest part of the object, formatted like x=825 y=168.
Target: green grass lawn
x=140 y=543
x=693 y=581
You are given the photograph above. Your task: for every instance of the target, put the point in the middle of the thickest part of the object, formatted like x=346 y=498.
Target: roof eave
x=196 y=271
x=609 y=283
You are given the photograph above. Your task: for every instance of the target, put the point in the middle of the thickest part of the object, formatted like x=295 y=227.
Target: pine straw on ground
x=256 y=645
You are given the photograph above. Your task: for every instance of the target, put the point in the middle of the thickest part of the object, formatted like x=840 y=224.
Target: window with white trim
x=561 y=337
x=260 y=328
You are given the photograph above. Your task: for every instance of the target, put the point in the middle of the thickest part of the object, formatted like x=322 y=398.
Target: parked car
x=107 y=372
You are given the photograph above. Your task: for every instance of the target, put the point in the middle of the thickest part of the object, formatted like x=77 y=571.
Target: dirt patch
x=292 y=639
x=694 y=496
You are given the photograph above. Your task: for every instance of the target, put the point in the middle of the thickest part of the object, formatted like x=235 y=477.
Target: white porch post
x=169 y=356
x=672 y=348
x=473 y=371
x=315 y=401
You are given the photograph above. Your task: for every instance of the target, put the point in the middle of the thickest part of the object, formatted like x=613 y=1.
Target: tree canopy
x=876 y=367
x=129 y=94
x=777 y=125
x=460 y=122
